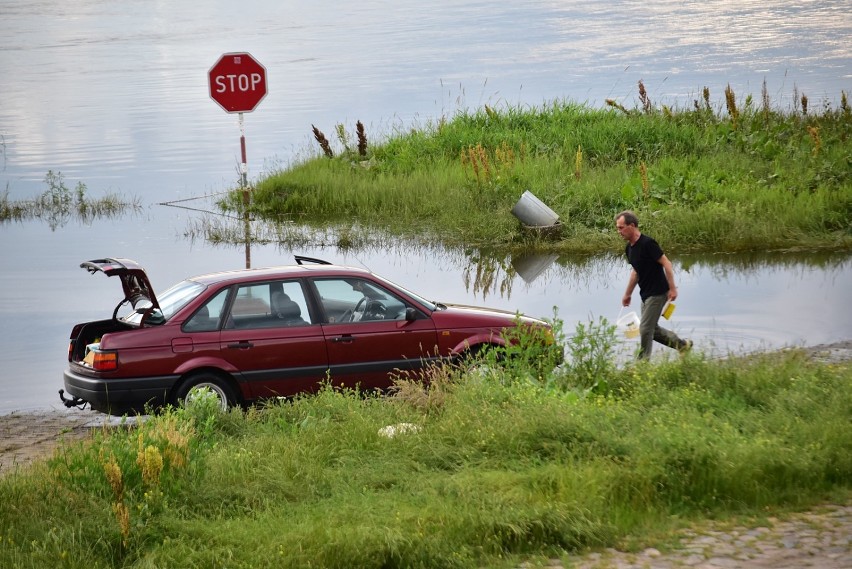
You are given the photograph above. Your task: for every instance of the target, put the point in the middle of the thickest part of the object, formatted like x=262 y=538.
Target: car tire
x=476 y=360
x=216 y=384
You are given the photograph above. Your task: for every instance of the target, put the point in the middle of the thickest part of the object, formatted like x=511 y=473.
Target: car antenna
x=363 y=264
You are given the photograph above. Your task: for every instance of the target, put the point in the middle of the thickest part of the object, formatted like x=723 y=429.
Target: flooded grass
x=60 y=204
x=739 y=177
x=227 y=230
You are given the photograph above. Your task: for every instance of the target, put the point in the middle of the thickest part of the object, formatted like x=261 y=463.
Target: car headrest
x=283 y=307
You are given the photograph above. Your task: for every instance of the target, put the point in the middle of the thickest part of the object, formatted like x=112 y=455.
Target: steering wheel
x=360 y=308
x=377 y=310
x=373 y=309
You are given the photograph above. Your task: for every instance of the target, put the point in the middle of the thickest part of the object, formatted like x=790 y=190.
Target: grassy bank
x=739 y=176
x=499 y=466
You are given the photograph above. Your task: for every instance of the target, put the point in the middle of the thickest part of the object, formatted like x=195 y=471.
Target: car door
x=270 y=336
x=370 y=333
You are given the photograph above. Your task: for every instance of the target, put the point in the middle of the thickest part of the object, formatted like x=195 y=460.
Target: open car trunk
x=85 y=335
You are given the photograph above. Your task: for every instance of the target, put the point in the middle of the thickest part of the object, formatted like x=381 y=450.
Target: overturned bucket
x=532 y=212
x=629 y=325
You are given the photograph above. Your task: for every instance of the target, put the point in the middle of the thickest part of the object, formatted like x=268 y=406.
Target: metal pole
x=243 y=165
x=246 y=192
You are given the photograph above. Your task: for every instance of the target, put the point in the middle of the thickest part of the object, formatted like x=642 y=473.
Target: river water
x=114 y=95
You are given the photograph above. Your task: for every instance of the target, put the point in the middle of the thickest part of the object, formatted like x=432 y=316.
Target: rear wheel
x=203 y=385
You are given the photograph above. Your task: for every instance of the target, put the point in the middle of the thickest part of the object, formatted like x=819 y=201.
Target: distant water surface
x=114 y=95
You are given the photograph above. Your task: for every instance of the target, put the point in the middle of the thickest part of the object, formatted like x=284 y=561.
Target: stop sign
x=237 y=82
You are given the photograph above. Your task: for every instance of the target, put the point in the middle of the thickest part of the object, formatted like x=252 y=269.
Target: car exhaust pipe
x=75 y=402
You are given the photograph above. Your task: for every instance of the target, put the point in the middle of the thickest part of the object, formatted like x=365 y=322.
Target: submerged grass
x=746 y=178
x=58 y=204
x=501 y=463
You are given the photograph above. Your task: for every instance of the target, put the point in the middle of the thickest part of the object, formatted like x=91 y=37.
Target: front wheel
x=480 y=360
x=204 y=385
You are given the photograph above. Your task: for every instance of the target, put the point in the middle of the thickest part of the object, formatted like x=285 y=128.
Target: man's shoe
x=686 y=347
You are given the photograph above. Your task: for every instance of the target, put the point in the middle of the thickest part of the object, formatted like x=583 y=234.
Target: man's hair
x=629 y=218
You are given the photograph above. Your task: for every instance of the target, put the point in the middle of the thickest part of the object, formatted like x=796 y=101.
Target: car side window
x=207 y=318
x=269 y=305
x=358 y=300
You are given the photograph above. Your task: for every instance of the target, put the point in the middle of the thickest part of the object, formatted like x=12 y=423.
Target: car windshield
x=427 y=303
x=171 y=301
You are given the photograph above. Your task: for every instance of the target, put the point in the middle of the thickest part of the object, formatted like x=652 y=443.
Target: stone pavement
x=816 y=539
x=26 y=436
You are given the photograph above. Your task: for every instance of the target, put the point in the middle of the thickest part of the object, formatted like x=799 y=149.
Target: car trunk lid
x=134 y=282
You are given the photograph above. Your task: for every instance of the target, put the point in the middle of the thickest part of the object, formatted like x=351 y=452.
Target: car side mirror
x=410 y=314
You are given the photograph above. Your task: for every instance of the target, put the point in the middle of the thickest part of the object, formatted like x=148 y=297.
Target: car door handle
x=244 y=345
x=345 y=339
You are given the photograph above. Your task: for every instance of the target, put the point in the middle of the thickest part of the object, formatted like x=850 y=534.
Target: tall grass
x=742 y=177
x=500 y=465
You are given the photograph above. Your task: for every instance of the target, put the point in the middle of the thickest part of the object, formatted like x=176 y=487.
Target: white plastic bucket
x=533 y=212
x=629 y=325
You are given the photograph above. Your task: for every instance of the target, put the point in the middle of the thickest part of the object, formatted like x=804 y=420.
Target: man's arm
x=669 y=270
x=631 y=284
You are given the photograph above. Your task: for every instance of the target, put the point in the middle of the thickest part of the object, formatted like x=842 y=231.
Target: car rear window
x=178 y=296
x=171 y=301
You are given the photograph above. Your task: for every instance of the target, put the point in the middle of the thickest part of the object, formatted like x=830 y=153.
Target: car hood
x=134 y=282
x=479 y=315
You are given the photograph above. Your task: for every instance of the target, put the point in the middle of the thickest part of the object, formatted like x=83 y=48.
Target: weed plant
x=741 y=177
x=59 y=204
x=494 y=467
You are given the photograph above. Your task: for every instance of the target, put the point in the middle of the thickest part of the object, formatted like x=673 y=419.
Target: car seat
x=286 y=309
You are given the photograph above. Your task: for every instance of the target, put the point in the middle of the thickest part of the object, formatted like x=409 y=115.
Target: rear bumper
x=119 y=396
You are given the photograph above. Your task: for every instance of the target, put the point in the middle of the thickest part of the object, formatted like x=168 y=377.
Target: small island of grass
x=739 y=176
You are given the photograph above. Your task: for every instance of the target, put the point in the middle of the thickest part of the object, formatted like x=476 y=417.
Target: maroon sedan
x=253 y=334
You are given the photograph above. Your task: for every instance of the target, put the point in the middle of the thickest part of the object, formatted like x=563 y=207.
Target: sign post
x=238 y=85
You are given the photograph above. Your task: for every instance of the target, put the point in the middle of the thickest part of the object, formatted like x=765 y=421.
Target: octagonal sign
x=237 y=82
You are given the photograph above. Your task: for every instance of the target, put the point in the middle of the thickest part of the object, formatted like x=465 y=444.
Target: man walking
x=653 y=272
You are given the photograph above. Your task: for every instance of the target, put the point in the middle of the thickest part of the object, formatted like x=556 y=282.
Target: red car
x=252 y=334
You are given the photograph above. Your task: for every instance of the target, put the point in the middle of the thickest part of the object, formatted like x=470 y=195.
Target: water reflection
x=494 y=273
x=723 y=265
x=531 y=265
x=728 y=303
x=487 y=274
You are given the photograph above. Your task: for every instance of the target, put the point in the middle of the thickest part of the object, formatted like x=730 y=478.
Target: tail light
x=104 y=360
